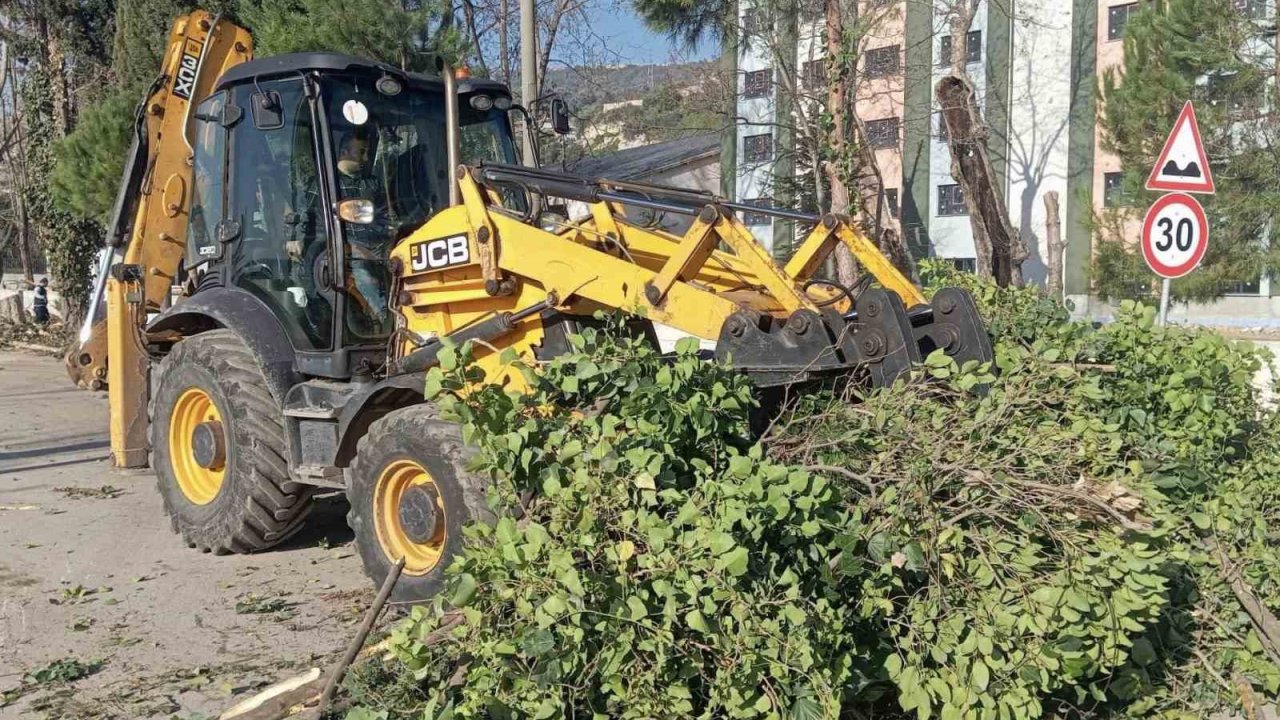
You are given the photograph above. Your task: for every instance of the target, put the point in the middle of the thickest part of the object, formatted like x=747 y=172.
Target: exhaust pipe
x=451 y=130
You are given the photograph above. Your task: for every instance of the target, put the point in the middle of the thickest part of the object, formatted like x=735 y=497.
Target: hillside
x=587 y=88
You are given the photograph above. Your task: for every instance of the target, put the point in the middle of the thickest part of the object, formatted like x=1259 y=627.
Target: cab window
x=389 y=153
x=208 y=182
x=274 y=195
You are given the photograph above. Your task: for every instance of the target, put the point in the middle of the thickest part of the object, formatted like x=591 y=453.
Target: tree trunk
x=24 y=241
x=1053 y=241
x=504 y=50
x=544 y=49
x=961 y=18
x=997 y=247
x=999 y=250
x=56 y=62
x=846 y=267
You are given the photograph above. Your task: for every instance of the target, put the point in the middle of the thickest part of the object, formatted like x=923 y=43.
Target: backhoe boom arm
x=146 y=240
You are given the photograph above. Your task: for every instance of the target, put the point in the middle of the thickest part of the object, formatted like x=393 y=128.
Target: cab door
x=275 y=206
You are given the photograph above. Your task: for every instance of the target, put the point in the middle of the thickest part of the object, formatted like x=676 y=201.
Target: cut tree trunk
x=1000 y=251
x=846 y=268
x=24 y=241
x=11 y=308
x=1054 y=245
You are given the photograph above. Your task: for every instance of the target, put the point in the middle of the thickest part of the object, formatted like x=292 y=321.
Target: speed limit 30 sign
x=1175 y=235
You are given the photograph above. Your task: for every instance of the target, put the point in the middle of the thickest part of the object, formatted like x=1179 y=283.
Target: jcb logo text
x=439 y=253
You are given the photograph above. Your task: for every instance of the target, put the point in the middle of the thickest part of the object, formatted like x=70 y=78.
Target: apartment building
x=1016 y=59
x=1034 y=65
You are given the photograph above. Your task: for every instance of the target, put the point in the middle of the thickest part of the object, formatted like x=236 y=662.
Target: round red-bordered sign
x=1175 y=235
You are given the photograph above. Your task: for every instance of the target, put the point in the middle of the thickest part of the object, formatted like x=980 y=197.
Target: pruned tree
x=832 y=165
x=999 y=250
x=1054 y=245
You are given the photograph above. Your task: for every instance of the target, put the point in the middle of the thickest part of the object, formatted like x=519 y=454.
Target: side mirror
x=560 y=117
x=268 y=113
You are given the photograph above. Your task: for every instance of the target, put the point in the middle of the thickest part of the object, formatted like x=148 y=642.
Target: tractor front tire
x=411 y=494
x=218 y=439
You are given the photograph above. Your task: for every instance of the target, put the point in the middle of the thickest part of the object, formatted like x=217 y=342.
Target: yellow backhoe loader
x=335 y=222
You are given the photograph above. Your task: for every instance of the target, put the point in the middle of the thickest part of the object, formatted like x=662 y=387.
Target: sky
x=636 y=44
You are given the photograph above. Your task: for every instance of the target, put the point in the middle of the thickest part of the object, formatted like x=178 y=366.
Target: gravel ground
x=105 y=613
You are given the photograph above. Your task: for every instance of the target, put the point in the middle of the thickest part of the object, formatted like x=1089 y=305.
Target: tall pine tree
x=409 y=34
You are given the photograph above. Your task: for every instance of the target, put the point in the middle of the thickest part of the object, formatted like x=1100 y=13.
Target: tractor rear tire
x=411 y=494
x=244 y=500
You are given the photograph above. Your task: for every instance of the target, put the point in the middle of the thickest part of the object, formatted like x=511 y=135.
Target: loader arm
x=146 y=241
x=715 y=283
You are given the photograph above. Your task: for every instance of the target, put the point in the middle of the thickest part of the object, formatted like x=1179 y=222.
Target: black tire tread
x=272 y=506
x=445 y=440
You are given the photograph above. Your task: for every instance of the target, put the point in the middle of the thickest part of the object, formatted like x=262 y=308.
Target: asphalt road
x=93 y=582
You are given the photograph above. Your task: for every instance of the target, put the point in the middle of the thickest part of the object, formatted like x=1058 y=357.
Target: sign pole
x=1164 y=302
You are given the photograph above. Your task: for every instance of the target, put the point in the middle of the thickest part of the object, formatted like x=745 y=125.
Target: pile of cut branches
x=50 y=338
x=1086 y=529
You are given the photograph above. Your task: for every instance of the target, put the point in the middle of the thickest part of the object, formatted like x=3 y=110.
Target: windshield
x=390 y=150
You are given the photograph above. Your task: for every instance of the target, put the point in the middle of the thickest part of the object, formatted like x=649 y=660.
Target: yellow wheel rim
x=421 y=553
x=199 y=484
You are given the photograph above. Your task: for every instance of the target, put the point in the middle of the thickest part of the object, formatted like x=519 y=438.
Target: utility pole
x=528 y=73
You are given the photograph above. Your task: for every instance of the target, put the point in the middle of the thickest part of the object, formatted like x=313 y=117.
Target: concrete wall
x=1040 y=97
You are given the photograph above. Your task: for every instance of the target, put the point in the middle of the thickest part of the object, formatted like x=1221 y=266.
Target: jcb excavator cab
x=308 y=169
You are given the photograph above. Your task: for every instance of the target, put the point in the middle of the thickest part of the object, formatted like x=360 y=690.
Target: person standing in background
x=40 y=305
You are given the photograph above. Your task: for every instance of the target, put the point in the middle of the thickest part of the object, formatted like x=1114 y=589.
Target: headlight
x=388 y=85
x=502 y=102
x=481 y=102
x=552 y=222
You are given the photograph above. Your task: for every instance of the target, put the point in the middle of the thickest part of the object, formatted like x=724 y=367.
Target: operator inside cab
x=369 y=244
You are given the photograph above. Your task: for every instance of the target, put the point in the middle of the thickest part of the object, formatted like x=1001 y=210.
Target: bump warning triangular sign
x=1182 y=166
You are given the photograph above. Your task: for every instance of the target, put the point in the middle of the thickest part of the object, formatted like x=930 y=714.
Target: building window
x=1113 y=189
x=891 y=201
x=757 y=148
x=815 y=74
x=951 y=200
x=755 y=23
x=972 y=48
x=969 y=265
x=1117 y=18
x=883 y=62
x=1252 y=9
x=756 y=218
x=882 y=134
x=755 y=84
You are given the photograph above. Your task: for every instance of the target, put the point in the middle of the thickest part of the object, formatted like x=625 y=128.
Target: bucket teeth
x=880 y=336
